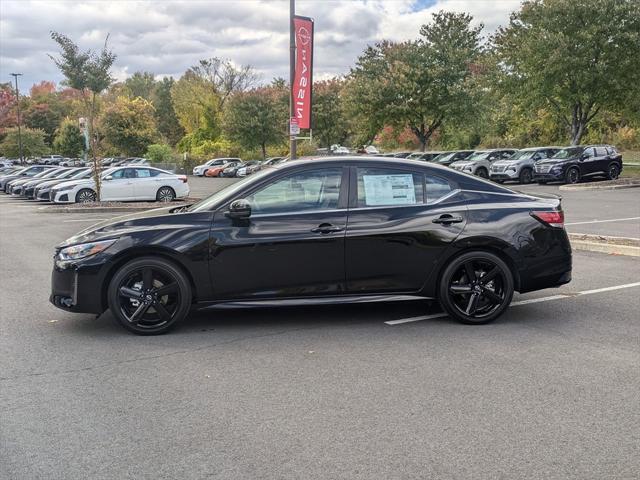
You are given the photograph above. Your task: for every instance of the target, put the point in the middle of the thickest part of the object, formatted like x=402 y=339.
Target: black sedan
x=571 y=165
x=320 y=231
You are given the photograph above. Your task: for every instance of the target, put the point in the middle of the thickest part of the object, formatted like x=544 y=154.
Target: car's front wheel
x=526 y=175
x=86 y=195
x=573 y=175
x=149 y=296
x=476 y=287
x=482 y=173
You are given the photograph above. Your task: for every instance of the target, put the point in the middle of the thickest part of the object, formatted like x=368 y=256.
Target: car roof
x=370 y=159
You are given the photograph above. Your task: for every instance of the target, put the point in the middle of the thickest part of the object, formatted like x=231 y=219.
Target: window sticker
x=389 y=189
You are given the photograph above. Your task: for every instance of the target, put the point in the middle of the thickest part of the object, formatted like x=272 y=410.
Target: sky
x=166 y=37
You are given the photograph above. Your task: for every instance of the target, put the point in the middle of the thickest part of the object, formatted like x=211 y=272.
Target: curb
x=603 y=244
x=95 y=210
x=599 y=187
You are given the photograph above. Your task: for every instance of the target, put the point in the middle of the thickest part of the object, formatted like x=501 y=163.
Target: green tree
x=166 y=118
x=254 y=119
x=574 y=57
x=33 y=144
x=159 y=152
x=129 y=125
x=329 y=120
x=69 y=140
x=197 y=105
x=420 y=84
x=90 y=73
x=141 y=84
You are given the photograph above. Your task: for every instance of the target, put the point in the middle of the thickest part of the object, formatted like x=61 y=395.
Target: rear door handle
x=327 y=228
x=446 y=219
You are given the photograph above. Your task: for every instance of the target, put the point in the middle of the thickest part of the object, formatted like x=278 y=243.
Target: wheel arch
x=136 y=252
x=497 y=247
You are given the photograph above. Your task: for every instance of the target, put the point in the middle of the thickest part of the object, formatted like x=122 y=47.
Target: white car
x=126 y=183
x=214 y=162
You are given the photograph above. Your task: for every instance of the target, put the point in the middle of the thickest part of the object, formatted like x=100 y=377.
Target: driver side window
x=312 y=190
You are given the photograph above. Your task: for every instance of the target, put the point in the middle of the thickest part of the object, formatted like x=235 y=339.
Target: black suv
x=572 y=164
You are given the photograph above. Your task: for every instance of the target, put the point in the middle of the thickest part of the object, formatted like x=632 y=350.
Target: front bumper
x=61 y=197
x=77 y=287
x=43 y=195
x=504 y=175
x=548 y=176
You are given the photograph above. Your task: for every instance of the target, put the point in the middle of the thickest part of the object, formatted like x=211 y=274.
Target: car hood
x=463 y=163
x=84 y=182
x=118 y=226
x=51 y=183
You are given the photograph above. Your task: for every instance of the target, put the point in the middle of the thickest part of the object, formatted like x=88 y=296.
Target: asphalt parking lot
x=369 y=391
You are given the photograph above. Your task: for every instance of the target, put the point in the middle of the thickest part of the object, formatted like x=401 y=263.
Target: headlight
x=83 y=250
x=66 y=188
x=512 y=168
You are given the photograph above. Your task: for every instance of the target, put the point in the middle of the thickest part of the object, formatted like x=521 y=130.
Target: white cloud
x=166 y=37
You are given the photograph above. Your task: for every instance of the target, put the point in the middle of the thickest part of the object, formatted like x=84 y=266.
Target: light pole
x=292 y=74
x=16 y=75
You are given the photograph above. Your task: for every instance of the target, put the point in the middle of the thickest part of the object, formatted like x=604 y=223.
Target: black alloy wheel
x=165 y=194
x=86 y=195
x=526 y=175
x=482 y=173
x=149 y=296
x=476 y=287
x=573 y=175
x=613 y=172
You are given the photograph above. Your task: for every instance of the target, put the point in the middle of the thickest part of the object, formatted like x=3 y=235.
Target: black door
x=400 y=221
x=588 y=161
x=291 y=245
x=601 y=160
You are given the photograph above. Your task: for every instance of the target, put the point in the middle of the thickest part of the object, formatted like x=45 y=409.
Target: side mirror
x=239 y=209
x=108 y=177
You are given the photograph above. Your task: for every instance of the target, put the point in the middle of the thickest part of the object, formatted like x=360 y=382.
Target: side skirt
x=291 y=302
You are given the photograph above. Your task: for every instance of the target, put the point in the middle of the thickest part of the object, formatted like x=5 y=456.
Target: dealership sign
x=303 y=28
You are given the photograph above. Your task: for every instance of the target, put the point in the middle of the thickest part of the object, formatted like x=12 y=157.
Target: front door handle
x=446 y=219
x=327 y=228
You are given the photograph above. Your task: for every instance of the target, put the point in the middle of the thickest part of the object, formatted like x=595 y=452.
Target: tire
x=482 y=173
x=572 y=176
x=136 y=299
x=476 y=301
x=613 y=171
x=542 y=182
x=86 y=195
x=499 y=181
x=526 y=176
x=165 y=194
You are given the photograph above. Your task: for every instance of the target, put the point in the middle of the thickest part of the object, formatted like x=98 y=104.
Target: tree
x=69 y=140
x=141 y=84
x=575 y=58
x=225 y=77
x=33 y=144
x=255 y=119
x=89 y=73
x=129 y=125
x=166 y=118
x=419 y=84
x=329 y=120
x=159 y=153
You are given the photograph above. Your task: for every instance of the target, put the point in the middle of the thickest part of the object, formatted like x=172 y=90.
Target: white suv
x=124 y=184
x=479 y=162
x=519 y=166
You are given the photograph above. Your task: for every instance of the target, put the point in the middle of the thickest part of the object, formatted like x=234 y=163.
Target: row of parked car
x=537 y=164
x=53 y=183
x=233 y=167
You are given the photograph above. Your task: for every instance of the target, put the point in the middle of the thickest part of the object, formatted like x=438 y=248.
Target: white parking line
x=604 y=221
x=523 y=302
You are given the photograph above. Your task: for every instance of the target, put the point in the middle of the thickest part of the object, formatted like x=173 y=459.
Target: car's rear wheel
x=476 y=287
x=86 y=195
x=573 y=175
x=165 y=194
x=613 y=172
x=149 y=296
x=482 y=173
x=526 y=175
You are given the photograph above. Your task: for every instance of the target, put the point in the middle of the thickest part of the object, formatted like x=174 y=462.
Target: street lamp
x=16 y=75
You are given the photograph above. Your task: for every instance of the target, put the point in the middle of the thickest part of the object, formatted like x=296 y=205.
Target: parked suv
x=480 y=161
x=572 y=164
x=519 y=166
x=447 y=158
x=51 y=159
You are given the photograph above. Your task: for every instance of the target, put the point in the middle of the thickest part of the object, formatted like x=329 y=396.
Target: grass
x=630 y=171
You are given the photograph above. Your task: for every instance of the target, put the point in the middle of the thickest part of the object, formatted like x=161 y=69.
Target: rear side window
x=146 y=172
x=437 y=187
x=601 y=152
x=589 y=152
x=379 y=187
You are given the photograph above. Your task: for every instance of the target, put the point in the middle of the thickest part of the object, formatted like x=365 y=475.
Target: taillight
x=183 y=178
x=555 y=219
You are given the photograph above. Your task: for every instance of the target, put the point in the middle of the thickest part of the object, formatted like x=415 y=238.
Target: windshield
x=206 y=203
x=444 y=157
x=45 y=174
x=569 y=152
x=59 y=174
x=413 y=156
x=522 y=155
x=81 y=173
x=478 y=156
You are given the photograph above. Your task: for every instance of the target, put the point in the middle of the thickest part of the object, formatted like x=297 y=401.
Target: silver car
x=480 y=161
x=519 y=167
